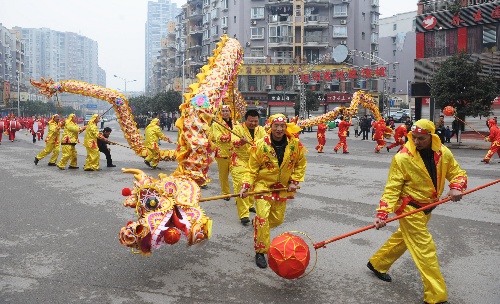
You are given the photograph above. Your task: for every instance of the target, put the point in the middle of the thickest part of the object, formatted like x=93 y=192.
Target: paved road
x=59 y=236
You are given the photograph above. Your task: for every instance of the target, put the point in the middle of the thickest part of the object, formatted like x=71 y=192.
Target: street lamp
x=183 y=76
x=125 y=82
x=18 y=93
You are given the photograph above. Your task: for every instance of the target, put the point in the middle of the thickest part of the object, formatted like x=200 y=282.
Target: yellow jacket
x=241 y=152
x=263 y=172
x=222 y=139
x=409 y=180
x=91 y=134
x=70 y=133
x=53 y=132
x=153 y=134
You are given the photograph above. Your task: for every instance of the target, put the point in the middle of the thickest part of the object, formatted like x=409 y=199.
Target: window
x=223 y=21
x=339 y=31
x=256 y=33
x=224 y=4
x=215 y=30
x=257 y=52
x=234 y=18
x=443 y=43
x=363 y=16
x=489 y=37
x=257 y=13
x=280 y=33
x=394 y=53
x=340 y=10
x=363 y=35
x=374 y=38
x=374 y=18
x=312 y=55
x=394 y=27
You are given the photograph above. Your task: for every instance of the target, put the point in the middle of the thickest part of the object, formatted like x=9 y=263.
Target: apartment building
x=159 y=14
x=12 y=66
x=397 y=46
x=287 y=44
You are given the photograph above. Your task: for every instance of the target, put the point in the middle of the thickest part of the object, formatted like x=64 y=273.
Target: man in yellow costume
x=416 y=178
x=69 y=139
x=153 y=134
x=52 y=144
x=249 y=132
x=223 y=147
x=276 y=161
x=90 y=143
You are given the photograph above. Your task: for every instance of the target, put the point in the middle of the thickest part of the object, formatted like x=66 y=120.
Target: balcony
x=254 y=60
x=315 y=41
x=316 y=21
x=279 y=19
x=318 y=2
x=196 y=29
x=196 y=15
x=280 y=42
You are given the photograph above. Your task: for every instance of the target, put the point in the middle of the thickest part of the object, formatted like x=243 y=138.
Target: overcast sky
x=117 y=26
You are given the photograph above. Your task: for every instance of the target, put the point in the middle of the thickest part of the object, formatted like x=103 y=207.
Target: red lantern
x=172 y=235
x=448 y=111
x=288 y=256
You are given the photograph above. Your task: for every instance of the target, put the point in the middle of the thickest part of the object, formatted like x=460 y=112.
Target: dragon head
x=167 y=209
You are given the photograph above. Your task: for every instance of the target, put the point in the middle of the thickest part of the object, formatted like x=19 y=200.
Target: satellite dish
x=340 y=53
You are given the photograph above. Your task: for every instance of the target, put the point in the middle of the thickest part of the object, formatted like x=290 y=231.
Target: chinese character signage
x=6 y=92
x=338 y=97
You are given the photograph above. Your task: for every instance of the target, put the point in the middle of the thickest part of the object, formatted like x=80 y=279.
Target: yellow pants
x=50 y=148
x=242 y=204
x=413 y=235
x=68 y=153
x=223 y=166
x=270 y=214
x=153 y=157
x=92 y=160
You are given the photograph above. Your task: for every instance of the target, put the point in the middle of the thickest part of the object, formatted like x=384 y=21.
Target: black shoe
x=335 y=151
x=383 y=276
x=73 y=167
x=155 y=167
x=147 y=163
x=51 y=164
x=245 y=221
x=111 y=166
x=485 y=161
x=34 y=140
x=345 y=152
x=61 y=168
x=387 y=149
x=260 y=260
x=88 y=169
x=252 y=209
x=204 y=187
x=36 y=161
x=445 y=302
x=227 y=199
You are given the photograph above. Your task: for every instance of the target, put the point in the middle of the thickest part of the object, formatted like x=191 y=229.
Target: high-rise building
x=283 y=41
x=12 y=65
x=397 y=46
x=62 y=55
x=160 y=12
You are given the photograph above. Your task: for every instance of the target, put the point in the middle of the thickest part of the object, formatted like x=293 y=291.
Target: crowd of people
x=273 y=159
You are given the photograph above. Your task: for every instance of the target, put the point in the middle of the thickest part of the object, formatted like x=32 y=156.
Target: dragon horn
x=138 y=174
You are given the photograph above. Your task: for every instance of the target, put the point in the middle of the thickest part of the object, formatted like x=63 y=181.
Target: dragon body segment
x=167 y=207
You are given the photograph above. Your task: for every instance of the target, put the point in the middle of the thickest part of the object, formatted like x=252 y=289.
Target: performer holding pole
x=277 y=160
x=416 y=178
x=343 y=129
x=52 y=144
x=69 y=139
x=494 y=138
x=247 y=134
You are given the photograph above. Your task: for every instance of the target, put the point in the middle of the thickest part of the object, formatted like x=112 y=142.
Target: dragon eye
x=152 y=203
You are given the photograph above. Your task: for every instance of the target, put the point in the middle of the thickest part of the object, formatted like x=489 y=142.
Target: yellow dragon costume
x=168 y=207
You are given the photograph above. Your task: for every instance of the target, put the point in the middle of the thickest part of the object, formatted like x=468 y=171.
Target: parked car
x=88 y=116
x=399 y=116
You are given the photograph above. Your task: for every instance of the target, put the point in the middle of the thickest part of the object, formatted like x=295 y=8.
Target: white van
x=88 y=116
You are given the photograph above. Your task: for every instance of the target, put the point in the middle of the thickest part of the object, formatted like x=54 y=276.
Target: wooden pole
x=212 y=198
